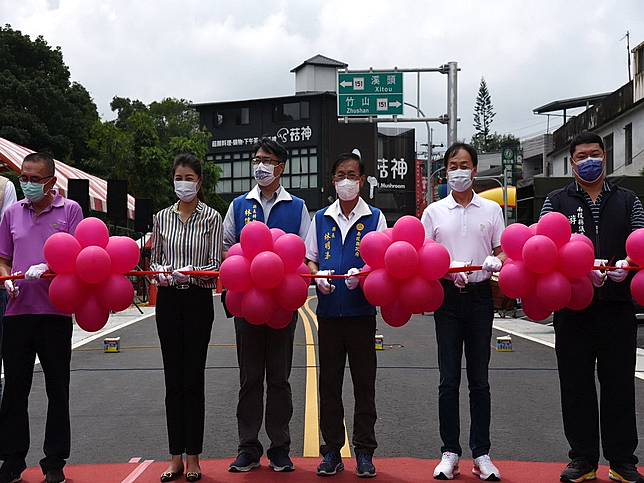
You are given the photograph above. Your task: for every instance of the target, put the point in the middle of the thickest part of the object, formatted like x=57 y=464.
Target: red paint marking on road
x=138 y=471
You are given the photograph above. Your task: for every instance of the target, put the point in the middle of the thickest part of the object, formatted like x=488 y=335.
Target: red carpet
x=403 y=470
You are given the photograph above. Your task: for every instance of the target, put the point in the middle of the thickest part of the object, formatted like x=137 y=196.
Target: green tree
x=141 y=143
x=40 y=107
x=483 y=117
x=496 y=142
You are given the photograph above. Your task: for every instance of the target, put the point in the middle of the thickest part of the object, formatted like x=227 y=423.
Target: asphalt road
x=117 y=403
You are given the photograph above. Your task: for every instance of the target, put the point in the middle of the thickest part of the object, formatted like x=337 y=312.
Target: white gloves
x=492 y=264
x=353 y=281
x=163 y=279
x=12 y=289
x=459 y=278
x=620 y=274
x=324 y=285
x=598 y=277
x=36 y=271
x=180 y=277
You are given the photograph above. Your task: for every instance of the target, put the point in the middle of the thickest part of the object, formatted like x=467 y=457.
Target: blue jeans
x=3 y=306
x=464 y=321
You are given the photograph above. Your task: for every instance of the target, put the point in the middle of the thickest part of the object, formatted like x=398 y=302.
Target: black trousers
x=464 y=321
x=604 y=335
x=50 y=338
x=338 y=338
x=262 y=351
x=184 y=322
x=3 y=306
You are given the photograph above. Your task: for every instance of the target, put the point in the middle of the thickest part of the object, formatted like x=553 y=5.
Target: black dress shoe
x=171 y=476
x=193 y=476
x=55 y=476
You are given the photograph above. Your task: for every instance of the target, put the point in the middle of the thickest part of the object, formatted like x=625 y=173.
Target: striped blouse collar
x=199 y=209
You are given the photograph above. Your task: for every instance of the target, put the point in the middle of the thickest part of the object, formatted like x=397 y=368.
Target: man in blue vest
x=347 y=322
x=262 y=351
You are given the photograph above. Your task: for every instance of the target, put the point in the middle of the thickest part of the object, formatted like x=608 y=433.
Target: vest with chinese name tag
x=285 y=214
x=339 y=256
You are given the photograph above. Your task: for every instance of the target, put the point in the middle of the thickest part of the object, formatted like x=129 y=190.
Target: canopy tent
x=12 y=154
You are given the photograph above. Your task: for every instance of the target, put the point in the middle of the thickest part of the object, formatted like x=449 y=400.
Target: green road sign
x=508 y=156
x=370 y=94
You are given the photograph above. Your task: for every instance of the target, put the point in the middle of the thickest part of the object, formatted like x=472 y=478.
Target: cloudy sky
x=530 y=53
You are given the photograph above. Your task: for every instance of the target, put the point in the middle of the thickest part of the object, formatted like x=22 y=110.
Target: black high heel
x=193 y=476
x=171 y=476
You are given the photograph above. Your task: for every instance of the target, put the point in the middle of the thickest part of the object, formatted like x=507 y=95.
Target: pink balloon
x=635 y=246
x=303 y=269
x=234 y=302
x=540 y=254
x=637 y=287
x=435 y=297
x=276 y=233
x=291 y=250
x=236 y=249
x=67 y=292
x=395 y=315
x=513 y=238
x=555 y=226
x=267 y=270
x=380 y=288
x=515 y=280
x=433 y=261
x=292 y=292
x=61 y=250
x=90 y=315
x=409 y=229
x=582 y=293
x=92 y=231
x=582 y=238
x=533 y=229
x=413 y=294
x=373 y=247
x=258 y=306
x=553 y=291
x=401 y=259
x=366 y=269
x=124 y=253
x=390 y=233
x=116 y=293
x=234 y=273
x=533 y=308
x=93 y=264
x=576 y=259
x=255 y=238
x=281 y=318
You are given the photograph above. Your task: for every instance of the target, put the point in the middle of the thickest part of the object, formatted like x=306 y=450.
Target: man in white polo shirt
x=470 y=228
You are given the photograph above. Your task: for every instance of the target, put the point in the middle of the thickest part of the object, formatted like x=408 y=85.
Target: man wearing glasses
x=262 y=351
x=32 y=326
x=347 y=322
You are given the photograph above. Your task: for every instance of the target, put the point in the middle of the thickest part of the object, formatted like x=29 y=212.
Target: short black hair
x=192 y=162
x=347 y=157
x=586 y=137
x=44 y=158
x=273 y=147
x=456 y=147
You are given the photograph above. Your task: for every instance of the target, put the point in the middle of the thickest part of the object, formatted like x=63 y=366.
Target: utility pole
x=452 y=99
x=627 y=36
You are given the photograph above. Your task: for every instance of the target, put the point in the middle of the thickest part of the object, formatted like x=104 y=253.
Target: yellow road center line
x=345 y=452
x=311 y=418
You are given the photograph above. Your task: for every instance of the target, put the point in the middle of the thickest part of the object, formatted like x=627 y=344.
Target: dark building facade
x=307 y=125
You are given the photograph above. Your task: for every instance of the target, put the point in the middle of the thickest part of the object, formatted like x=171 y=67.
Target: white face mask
x=185 y=190
x=347 y=190
x=264 y=174
x=459 y=180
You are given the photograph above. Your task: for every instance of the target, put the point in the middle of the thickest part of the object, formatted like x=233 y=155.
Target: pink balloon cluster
x=262 y=274
x=548 y=266
x=403 y=271
x=635 y=251
x=89 y=269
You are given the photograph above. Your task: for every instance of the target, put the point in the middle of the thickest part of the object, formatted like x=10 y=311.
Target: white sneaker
x=485 y=469
x=447 y=469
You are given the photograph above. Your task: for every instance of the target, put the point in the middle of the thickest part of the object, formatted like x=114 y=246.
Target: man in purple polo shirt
x=32 y=326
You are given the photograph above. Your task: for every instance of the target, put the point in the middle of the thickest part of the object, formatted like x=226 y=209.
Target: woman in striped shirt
x=186 y=236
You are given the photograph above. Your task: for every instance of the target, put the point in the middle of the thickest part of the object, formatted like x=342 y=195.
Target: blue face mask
x=590 y=169
x=33 y=191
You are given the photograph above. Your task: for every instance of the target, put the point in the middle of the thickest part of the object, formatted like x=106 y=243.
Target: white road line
x=137 y=471
x=135 y=460
x=98 y=335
